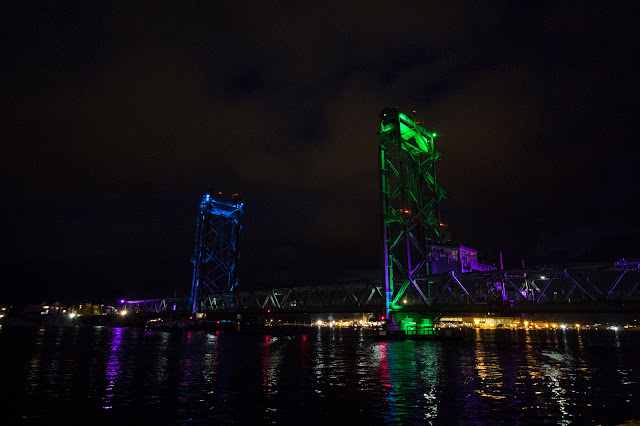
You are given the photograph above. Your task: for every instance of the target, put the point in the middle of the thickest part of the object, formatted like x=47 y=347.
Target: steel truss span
x=216 y=253
x=603 y=287
x=174 y=304
x=362 y=296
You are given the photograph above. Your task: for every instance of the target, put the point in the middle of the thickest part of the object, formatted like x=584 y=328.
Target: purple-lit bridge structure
x=603 y=287
x=411 y=232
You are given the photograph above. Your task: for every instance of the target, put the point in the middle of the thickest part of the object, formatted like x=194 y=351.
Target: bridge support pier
x=405 y=324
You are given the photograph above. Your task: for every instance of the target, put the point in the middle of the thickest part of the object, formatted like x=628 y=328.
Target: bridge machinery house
x=457 y=258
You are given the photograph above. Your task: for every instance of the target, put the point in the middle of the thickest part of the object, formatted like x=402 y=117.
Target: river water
x=103 y=375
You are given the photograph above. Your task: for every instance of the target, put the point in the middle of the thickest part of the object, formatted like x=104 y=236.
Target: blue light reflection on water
x=525 y=377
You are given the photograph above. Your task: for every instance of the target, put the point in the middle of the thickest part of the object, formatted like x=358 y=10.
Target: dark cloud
x=116 y=119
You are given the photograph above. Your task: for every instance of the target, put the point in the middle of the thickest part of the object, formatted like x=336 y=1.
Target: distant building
x=452 y=257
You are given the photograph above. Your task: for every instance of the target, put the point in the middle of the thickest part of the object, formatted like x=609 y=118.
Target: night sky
x=115 y=119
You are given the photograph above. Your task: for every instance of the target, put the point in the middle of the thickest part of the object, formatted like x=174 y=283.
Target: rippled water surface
x=104 y=375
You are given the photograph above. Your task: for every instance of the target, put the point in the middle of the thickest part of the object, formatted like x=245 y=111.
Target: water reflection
x=113 y=367
x=186 y=367
x=488 y=370
x=269 y=363
x=624 y=374
x=427 y=369
x=33 y=377
x=318 y=363
x=305 y=365
x=555 y=369
x=382 y=354
x=159 y=372
x=495 y=376
x=210 y=362
x=408 y=374
x=329 y=367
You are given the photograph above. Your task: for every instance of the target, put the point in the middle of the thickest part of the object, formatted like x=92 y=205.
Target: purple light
x=122 y=300
x=113 y=368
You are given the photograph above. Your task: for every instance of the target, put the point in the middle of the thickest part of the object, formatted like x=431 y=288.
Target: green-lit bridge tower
x=410 y=195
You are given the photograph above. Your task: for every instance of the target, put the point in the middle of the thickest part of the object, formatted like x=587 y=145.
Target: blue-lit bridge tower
x=216 y=254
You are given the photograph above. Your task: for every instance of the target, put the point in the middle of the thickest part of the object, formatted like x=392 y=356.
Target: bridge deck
x=602 y=287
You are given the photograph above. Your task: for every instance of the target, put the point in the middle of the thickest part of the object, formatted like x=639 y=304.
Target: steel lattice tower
x=215 y=259
x=409 y=195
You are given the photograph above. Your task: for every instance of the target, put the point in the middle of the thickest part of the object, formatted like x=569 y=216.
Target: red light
x=382 y=317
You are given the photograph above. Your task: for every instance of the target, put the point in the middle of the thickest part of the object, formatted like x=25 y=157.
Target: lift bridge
x=411 y=284
x=603 y=287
